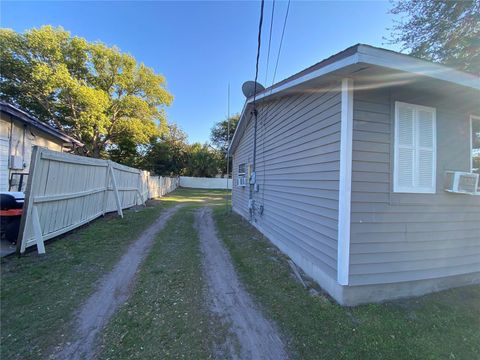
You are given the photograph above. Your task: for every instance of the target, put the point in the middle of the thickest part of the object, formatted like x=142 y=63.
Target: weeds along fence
x=66 y=191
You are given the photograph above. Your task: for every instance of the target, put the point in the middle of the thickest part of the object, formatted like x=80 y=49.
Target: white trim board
x=345 y=186
x=366 y=54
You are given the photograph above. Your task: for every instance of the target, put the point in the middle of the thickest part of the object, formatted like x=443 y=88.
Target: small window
x=415 y=149
x=475 y=145
x=241 y=169
x=241 y=178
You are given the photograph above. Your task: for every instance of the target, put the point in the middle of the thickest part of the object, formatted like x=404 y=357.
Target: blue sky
x=201 y=47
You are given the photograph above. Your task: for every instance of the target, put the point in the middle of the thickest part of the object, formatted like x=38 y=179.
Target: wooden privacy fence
x=159 y=185
x=66 y=191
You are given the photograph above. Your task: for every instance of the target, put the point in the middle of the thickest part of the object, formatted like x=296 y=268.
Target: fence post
x=28 y=202
x=37 y=231
x=105 y=193
x=115 y=191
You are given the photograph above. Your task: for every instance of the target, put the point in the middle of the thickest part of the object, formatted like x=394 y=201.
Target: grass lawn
x=39 y=293
x=166 y=316
x=443 y=325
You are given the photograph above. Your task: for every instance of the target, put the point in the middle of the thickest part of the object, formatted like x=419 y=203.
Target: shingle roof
x=33 y=121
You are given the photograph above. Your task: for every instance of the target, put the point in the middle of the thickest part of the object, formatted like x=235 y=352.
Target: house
x=361 y=171
x=19 y=131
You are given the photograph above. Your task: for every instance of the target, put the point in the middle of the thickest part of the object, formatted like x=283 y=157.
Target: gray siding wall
x=298 y=144
x=403 y=237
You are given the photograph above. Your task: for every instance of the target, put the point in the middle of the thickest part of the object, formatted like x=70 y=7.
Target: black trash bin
x=11 y=205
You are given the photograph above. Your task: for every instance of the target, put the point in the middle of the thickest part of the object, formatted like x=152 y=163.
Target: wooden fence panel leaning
x=66 y=191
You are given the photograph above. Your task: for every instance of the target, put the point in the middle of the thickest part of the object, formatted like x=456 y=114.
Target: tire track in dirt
x=113 y=290
x=256 y=337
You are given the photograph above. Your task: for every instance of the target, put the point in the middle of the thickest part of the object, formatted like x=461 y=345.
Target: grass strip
x=166 y=317
x=444 y=325
x=39 y=294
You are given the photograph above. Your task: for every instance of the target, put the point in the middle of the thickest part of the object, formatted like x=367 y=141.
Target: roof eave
x=28 y=119
x=365 y=54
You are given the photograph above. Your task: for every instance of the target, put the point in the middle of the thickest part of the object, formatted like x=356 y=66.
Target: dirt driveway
x=112 y=292
x=252 y=336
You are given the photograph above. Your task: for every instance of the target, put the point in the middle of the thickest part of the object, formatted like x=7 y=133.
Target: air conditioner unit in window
x=461 y=182
x=241 y=181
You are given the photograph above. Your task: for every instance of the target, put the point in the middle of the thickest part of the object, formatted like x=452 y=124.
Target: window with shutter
x=415 y=149
x=475 y=146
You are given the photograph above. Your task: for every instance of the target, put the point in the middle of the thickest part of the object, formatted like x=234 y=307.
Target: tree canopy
x=172 y=155
x=444 y=31
x=204 y=161
x=168 y=155
x=93 y=92
x=219 y=134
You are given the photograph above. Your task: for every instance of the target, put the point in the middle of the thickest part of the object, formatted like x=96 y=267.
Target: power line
x=255 y=113
x=271 y=89
x=281 y=41
x=264 y=118
x=258 y=50
x=270 y=41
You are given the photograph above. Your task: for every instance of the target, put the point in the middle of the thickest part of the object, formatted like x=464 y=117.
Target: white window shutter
x=405 y=151
x=425 y=150
x=415 y=147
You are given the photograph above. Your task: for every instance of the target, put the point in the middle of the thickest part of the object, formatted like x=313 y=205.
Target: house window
x=241 y=169
x=415 y=149
x=241 y=177
x=475 y=145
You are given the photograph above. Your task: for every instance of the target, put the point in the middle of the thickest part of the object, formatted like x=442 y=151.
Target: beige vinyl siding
x=21 y=140
x=298 y=144
x=399 y=237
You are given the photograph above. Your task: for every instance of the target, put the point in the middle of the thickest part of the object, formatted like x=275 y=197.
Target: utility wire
x=281 y=42
x=270 y=41
x=255 y=113
x=264 y=118
x=271 y=89
x=258 y=51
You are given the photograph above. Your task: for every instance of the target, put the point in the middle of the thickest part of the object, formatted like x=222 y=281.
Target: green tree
x=92 y=92
x=219 y=134
x=203 y=161
x=168 y=154
x=444 y=31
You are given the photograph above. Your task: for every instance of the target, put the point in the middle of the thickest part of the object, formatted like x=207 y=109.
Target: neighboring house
x=20 y=131
x=352 y=161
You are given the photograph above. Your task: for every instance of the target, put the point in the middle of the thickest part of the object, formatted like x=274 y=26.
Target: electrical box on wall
x=16 y=162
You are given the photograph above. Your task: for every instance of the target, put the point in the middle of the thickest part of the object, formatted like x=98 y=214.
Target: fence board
x=66 y=191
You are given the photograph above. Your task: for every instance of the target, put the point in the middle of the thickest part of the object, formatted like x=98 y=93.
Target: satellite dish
x=249 y=88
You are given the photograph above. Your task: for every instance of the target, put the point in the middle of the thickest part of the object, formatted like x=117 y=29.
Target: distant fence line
x=66 y=191
x=205 y=183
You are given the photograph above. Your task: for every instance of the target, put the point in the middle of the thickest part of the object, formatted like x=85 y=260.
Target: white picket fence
x=205 y=183
x=66 y=191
